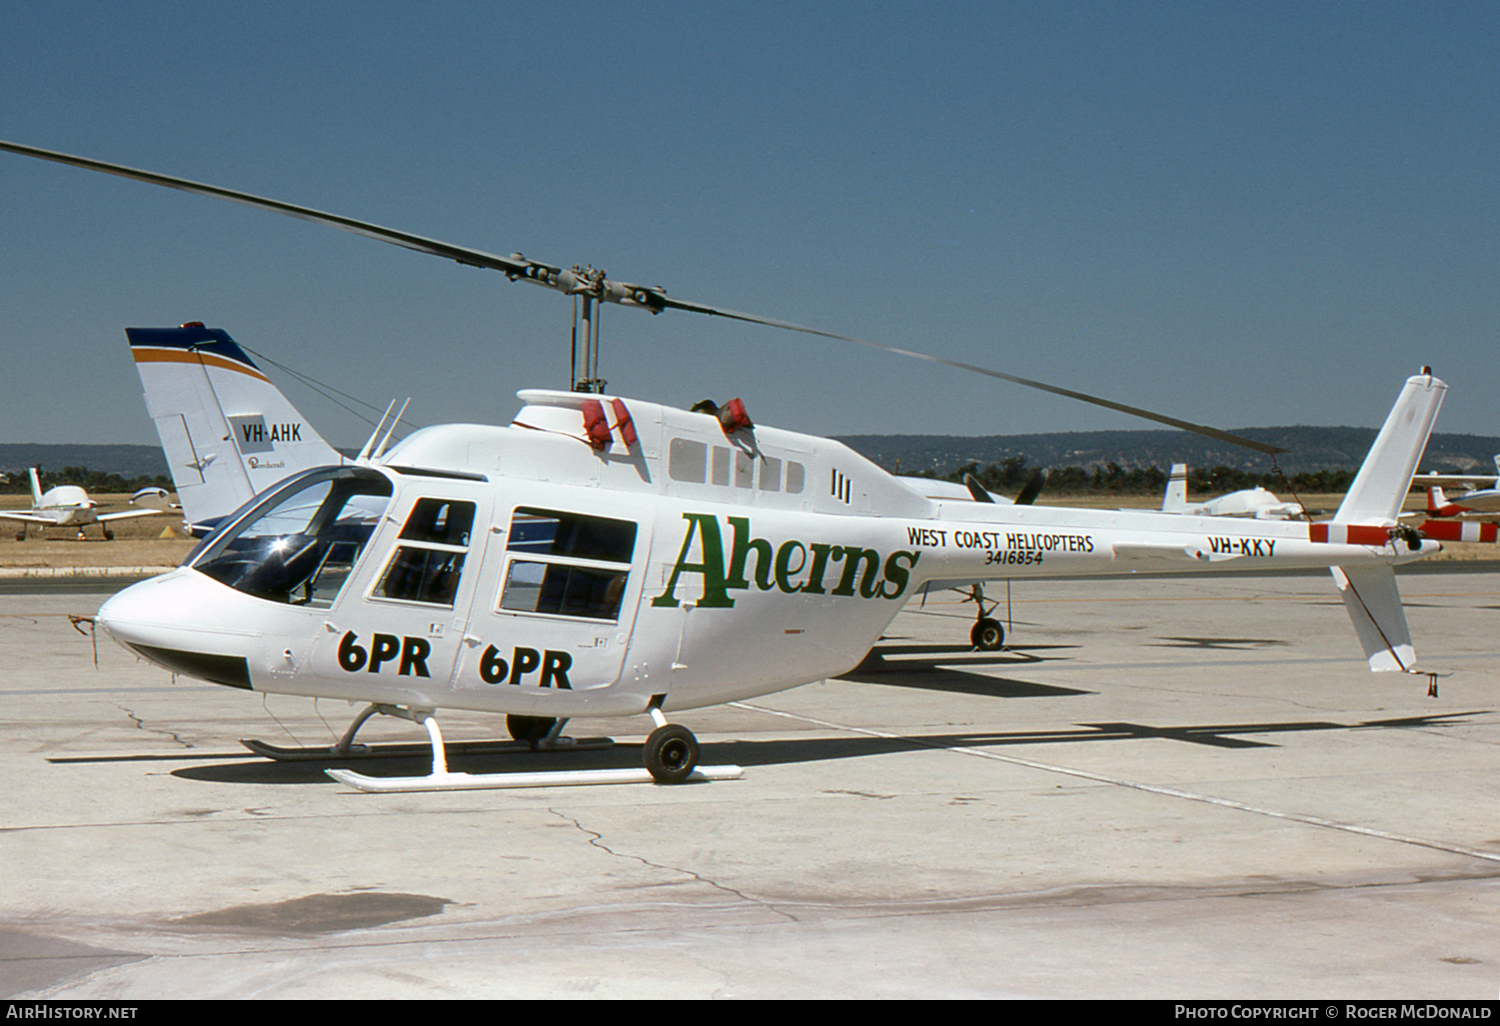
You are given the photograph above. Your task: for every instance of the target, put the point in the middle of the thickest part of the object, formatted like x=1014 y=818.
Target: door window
x=567 y=564
x=429 y=557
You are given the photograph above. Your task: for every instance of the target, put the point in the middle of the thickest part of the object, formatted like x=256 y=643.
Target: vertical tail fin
x=1175 y=501
x=1369 y=592
x=1385 y=477
x=36 y=488
x=227 y=431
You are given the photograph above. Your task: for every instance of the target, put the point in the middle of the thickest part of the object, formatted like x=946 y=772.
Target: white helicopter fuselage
x=669 y=563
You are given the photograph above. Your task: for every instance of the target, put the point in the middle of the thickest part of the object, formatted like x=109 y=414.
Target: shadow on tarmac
x=751 y=753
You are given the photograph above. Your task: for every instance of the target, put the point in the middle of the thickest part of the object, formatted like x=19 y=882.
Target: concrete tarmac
x=1168 y=788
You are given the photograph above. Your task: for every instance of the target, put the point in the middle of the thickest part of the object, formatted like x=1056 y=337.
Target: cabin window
x=686 y=460
x=795 y=475
x=299 y=544
x=721 y=465
x=430 y=556
x=567 y=564
x=770 y=474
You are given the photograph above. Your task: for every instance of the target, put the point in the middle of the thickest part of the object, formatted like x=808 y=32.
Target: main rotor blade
x=462 y=254
x=1160 y=418
x=654 y=299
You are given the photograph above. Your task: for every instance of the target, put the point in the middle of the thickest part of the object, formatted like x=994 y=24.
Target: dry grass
x=138 y=542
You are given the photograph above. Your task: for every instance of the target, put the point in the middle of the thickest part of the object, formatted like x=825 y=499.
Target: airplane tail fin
x=1175 y=500
x=1369 y=592
x=1436 y=500
x=1384 y=478
x=227 y=431
x=36 y=488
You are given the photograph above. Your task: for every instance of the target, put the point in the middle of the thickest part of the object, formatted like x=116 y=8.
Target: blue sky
x=1241 y=214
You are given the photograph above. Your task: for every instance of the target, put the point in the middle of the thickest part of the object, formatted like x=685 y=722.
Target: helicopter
x=1247 y=502
x=607 y=556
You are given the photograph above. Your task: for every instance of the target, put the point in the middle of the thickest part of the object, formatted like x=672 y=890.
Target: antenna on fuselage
x=371 y=451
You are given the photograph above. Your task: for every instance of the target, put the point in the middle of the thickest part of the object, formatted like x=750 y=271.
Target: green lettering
x=897 y=574
x=706 y=527
x=743 y=546
x=814 y=585
x=784 y=568
x=854 y=556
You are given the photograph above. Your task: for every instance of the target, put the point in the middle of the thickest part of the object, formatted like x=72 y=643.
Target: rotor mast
x=589 y=286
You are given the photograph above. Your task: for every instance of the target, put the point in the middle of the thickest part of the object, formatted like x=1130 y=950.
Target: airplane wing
x=1485 y=501
x=1475 y=517
x=127 y=514
x=27 y=518
x=1447 y=479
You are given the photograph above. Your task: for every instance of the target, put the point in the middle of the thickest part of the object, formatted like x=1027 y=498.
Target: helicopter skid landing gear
x=441 y=779
x=548 y=739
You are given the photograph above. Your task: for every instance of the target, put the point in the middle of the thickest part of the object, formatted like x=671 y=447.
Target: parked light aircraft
x=604 y=556
x=1248 y=502
x=1469 y=518
x=1479 y=501
x=1468 y=481
x=70 y=506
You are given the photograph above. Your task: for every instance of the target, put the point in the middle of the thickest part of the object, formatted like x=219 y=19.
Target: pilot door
x=554 y=605
x=397 y=631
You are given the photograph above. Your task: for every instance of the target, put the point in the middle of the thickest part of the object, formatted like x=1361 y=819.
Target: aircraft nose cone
x=174 y=622
x=136 y=614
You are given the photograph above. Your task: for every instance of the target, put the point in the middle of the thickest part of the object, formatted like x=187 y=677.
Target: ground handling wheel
x=671 y=753
x=987 y=635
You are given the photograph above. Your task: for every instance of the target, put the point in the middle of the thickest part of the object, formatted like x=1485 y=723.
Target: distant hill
x=1309 y=449
x=126 y=460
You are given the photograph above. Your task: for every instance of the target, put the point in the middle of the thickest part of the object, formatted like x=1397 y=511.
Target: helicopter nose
x=137 y=613
x=172 y=621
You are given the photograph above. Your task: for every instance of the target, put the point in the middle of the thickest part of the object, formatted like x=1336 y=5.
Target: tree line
x=90 y=481
x=1010 y=475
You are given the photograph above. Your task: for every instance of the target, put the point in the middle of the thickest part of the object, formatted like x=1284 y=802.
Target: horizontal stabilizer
x=1374 y=606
